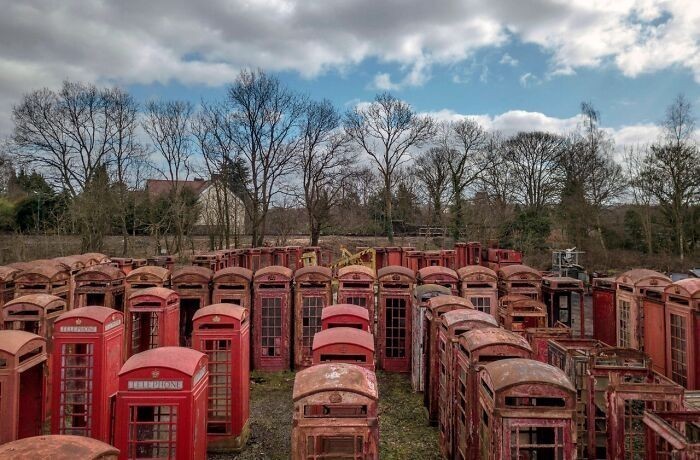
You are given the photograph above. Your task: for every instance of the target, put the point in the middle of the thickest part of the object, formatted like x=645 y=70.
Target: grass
x=403 y=428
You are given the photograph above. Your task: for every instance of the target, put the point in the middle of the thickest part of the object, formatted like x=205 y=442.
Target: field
x=404 y=432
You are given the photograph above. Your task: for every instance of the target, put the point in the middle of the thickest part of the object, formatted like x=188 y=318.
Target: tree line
x=83 y=152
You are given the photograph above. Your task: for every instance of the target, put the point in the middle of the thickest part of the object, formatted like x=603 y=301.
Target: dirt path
x=404 y=432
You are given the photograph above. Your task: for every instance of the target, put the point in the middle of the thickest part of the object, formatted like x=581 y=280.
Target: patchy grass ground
x=404 y=432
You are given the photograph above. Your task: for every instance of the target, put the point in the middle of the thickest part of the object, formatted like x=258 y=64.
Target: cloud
x=382 y=82
x=507 y=59
x=162 y=42
x=528 y=79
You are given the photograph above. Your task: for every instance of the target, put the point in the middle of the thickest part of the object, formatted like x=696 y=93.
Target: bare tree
x=167 y=123
x=433 y=172
x=66 y=134
x=642 y=197
x=464 y=141
x=265 y=117
x=671 y=170
x=387 y=129
x=126 y=152
x=532 y=159
x=326 y=163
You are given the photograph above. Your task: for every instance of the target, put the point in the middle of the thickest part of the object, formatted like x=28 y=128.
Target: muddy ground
x=404 y=432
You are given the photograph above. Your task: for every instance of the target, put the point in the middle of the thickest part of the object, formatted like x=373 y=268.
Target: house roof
x=157 y=187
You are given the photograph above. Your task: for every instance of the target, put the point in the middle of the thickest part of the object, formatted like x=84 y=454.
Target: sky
x=512 y=64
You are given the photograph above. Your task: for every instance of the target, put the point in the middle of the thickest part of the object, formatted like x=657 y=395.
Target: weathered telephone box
x=313 y=292
x=396 y=284
x=193 y=285
x=100 y=285
x=153 y=320
x=271 y=318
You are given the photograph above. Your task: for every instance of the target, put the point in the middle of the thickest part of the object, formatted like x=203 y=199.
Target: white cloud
x=160 y=41
x=382 y=82
x=507 y=59
x=528 y=79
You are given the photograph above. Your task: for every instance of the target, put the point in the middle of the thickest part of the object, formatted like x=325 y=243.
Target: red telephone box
x=100 y=285
x=683 y=332
x=518 y=313
x=192 y=284
x=396 y=284
x=161 y=406
x=254 y=259
x=356 y=286
x=563 y=296
x=344 y=345
x=672 y=435
x=279 y=256
x=167 y=262
x=232 y=285
x=345 y=315
x=528 y=410
x=437 y=306
x=519 y=279
x=22 y=381
x=335 y=413
x=221 y=331
x=432 y=258
x=293 y=257
x=414 y=260
x=422 y=294
x=7 y=285
x=271 y=318
x=539 y=338
x=654 y=326
x=476 y=348
x=474 y=253
x=393 y=256
x=153 y=320
x=479 y=284
x=44 y=277
x=453 y=324
x=94 y=258
x=439 y=275
x=460 y=255
x=34 y=313
x=630 y=313
x=312 y=293
x=449 y=258
x=604 y=307
x=146 y=277
x=125 y=264
x=58 y=447
x=206 y=260
x=86 y=360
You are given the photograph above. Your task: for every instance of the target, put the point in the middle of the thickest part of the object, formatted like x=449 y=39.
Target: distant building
x=209 y=194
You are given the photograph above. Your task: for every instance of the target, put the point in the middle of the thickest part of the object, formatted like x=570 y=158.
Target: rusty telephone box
x=439 y=275
x=94 y=258
x=683 y=332
x=125 y=264
x=23 y=384
x=271 y=318
x=312 y=293
x=539 y=337
x=527 y=409
x=413 y=260
x=58 y=447
x=233 y=285
x=436 y=308
x=146 y=277
x=475 y=348
x=518 y=313
x=44 y=277
x=519 y=279
x=422 y=295
x=221 y=331
x=344 y=345
x=161 y=405
x=86 y=360
x=563 y=296
x=345 y=315
x=193 y=285
x=630 y=313
x=7 y=284
x=356 y=286
x=396 y=284
x=573 y=356
x=604 y=307
x=672 y=435
x=453 y=324
x=335 y=413
x=479 y=284
x=100 y=285
x=153 y=319
x=206 y=260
